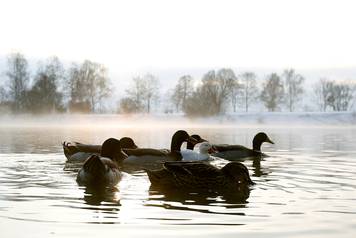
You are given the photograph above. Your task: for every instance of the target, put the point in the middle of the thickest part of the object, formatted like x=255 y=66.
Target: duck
x=103 y=170
x=199 y=175
x=190 y=146
x=205 y=149
x=77 y=152
x=235 y=152
x=145 y=156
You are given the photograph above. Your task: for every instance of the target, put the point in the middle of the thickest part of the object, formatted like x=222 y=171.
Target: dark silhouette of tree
x=182 y=91
x=128 y=105
x=249 y=88
x=272 y=92
x=338 y=96
x=209 y=98
x=144 y=91
x=89 y=85
x=18 y=75
x=293 y=87
x=43 y=96
x=321 y=94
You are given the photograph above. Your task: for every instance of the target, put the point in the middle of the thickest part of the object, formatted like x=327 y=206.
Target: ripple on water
x=309 y=181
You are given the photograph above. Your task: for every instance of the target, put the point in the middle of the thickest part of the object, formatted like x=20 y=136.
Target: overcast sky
x=160 y=34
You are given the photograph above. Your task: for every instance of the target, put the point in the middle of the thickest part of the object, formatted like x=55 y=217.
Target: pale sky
x=161 y=34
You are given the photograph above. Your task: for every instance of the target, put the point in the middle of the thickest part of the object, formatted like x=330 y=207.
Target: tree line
x=84 y=87
x=81 y=88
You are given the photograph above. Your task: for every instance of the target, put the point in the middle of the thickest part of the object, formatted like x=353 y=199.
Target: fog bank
x=313 y=119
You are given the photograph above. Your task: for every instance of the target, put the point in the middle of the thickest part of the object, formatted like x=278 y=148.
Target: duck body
x=103 y=170
x=99 y=172
x=237 y=152
x=199 y=175
x=205 y=149
x=77 y=152
x=146 y=157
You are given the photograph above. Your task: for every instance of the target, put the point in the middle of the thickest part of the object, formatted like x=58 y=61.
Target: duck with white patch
x=204 y=154
x=142 y=157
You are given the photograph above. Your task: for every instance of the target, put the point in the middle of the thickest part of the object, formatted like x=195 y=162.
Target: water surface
x=306 y=188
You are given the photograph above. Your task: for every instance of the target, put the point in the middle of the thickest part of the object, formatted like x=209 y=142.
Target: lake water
x=306 y=188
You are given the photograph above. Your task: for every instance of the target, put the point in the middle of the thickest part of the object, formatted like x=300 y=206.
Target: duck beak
x=201 y=140
x=192 y=140
x=134 y=146
x=212 y=150
x=269 y=140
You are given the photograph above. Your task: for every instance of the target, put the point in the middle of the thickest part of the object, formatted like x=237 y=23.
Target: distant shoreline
x=253 y=119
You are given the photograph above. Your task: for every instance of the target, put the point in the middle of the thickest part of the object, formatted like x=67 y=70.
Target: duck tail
x=153 y=176
x=94 y=166
x=69 y=149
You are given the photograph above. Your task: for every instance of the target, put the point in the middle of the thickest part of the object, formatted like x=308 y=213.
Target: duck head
x=111 y=149
x=127 y=143
x=259 y=139
x=190 y=146
x=179 y=137
x=206 y=148
x=238 y=172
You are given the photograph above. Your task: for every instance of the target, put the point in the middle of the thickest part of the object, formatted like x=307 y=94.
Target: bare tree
x=128 y=105
x=44 y=95
x=250 y=90
x=340 y=96
x=151 y=91
x=3 y=94
x=321 y=91
x=272 y=92
x=182 y=91
x=89 y=85
x=294 y=87
x=144 y=91
x=209 y=98
x=217 y=87
x=136 y=91
x=18 y=75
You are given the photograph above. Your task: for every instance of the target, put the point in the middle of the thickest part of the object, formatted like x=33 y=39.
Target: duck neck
x=190 y=146
x=118 y=157
x=256 y=145
x=176 y=144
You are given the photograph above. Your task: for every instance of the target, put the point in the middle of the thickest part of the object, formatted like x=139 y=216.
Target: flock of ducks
x=101 y=165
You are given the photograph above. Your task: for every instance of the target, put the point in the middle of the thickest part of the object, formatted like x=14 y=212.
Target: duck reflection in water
x=97 y=195
x=193 y=183
x=237 y=196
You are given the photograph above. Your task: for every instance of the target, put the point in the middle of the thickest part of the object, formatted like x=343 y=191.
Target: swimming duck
x=199 y=175
x=146 y=156
x=233 y=152
x=205 y=149
x=77 y=152
x=103 y=170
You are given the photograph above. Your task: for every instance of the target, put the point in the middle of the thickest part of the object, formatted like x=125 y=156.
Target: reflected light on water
x=306 y=187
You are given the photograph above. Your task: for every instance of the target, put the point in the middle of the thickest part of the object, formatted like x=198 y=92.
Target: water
x=307 y=188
